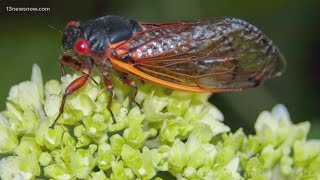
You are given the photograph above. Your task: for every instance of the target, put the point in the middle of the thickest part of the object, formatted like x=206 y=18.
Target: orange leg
x=70 y=62
x=73 y=64
x=109 y=87
x=75 y=85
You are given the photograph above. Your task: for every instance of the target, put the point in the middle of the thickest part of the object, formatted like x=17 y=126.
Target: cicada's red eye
x=70 y=23
x=81 y=46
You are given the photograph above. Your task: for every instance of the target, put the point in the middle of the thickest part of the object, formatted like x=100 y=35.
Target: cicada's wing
x=215 y=55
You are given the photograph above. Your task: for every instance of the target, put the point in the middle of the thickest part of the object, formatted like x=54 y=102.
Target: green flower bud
x=179 y=102
x=29 y=94
x=305 y=152
x=177 y=157
x=29 y=119
x=116 y=142
x=135 y=117
x=82 y=138
x=45 y=159
x=196 y=153
x=169 y=131
x=58 y=171
x=134 y=136
x=95 y=126
x=82 y=162
x=100 y=175
x=253 y=168
x=28 y=146
x=119 y=172
x=228 y=171
x=231 y=145
x=140 y=163
x=26 y=167
x=45 y=136
x=269 y=156
x=286 y=165
x=52 y=101
x=104 y=156
x=159 y=158
x=8 y=139
x=190 y=173
x=203 y=132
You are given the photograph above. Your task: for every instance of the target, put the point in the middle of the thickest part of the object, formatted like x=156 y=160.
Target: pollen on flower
x=85 y=161
x=93 y=130
x=142 y=171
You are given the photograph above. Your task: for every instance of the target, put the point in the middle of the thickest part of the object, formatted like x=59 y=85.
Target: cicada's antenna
x=54 y=28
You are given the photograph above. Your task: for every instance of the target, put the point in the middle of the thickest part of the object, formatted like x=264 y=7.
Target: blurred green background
x=26 y=38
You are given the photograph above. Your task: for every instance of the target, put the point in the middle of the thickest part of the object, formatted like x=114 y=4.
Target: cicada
x=219 y=55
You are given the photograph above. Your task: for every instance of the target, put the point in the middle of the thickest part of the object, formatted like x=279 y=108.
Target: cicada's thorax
x=105 y=32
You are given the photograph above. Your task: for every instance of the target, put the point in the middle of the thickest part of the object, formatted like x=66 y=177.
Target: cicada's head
x=85 y=39
x=93 y=38
x=73 y=40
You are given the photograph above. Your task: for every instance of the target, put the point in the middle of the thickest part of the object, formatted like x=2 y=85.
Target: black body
x=99 y=33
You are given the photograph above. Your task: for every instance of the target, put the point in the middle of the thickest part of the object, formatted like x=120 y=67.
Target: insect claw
x=112 y=116
x=94 y=80
x=54 y=122
x=61 y=109
x=139 y=106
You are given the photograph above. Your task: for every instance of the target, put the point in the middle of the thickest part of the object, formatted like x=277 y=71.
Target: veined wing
x=211 y=55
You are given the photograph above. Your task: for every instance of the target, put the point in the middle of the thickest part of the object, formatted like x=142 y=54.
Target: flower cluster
x=174 y=135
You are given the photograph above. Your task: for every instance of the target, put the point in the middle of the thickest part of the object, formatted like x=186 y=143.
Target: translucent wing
x=212 y=55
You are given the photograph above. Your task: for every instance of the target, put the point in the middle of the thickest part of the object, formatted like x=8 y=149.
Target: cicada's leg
x=125 y=80
x=109 y=87
x=75 y=85
x=72 y=64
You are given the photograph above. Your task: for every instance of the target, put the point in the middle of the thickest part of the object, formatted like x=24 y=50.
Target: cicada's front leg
x=75 y=85
x=70 y=62
x=73 y=64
